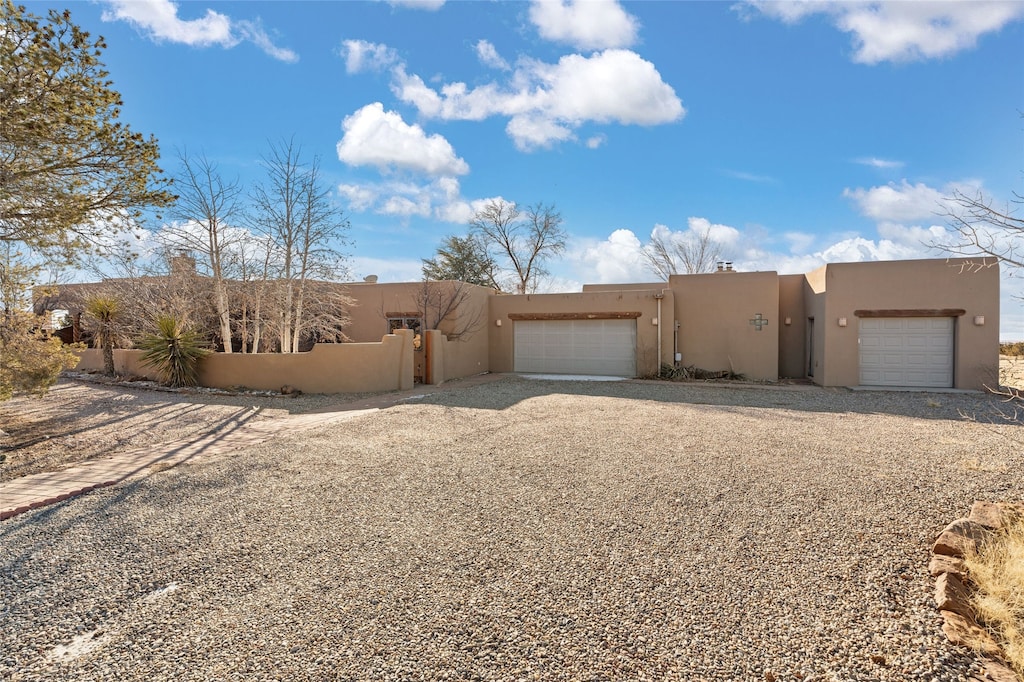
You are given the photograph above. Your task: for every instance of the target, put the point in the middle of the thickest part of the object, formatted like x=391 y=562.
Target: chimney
x=721 y=265
x=370 y=279
x=183 y=264
x=728 y=266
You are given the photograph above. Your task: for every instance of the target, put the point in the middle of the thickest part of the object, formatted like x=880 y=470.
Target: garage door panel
x=906 y=352
x=600 y=347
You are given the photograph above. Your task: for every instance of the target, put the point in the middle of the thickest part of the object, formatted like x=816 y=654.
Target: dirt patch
x=1011 y=371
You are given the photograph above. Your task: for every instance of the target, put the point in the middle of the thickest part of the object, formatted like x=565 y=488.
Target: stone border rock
x=953 y=586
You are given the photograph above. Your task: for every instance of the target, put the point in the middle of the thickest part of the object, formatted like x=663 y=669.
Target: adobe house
x=921 y=323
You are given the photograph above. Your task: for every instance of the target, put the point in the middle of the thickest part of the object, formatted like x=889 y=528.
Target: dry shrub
x=997 y=571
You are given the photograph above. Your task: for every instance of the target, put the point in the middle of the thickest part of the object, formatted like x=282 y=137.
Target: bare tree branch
x=525 y=246
x=981 y=229
x=671 y=253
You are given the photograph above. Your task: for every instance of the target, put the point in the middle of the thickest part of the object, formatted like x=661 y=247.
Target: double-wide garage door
x=906 y=351
x=597 y=347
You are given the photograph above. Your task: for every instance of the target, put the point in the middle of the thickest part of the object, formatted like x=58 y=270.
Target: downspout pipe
x=658 y=297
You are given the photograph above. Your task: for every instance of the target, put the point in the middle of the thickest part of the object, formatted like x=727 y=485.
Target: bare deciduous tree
x=294 y=208
x=670 y=253
x=524 y=245
x=252 y=262
x=981 y=229
x=448 y=306
x=206 y=208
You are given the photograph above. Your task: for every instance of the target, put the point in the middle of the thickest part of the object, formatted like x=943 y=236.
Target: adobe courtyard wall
x=328 y=368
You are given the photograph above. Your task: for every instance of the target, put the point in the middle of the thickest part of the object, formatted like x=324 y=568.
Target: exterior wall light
x=654 y=321
x=979 y=320
x=842 y=321
x=789 y=321
x=497 y=323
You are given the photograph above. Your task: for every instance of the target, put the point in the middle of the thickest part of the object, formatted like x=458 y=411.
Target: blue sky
x=799 y=133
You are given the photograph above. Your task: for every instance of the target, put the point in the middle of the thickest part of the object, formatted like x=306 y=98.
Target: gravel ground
x=85 y=417
x=525 y=530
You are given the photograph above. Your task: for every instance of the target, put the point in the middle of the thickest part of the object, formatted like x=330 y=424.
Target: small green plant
x=174 y=351
x=105 y=311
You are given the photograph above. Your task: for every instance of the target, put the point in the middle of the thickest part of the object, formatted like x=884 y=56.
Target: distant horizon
x=796 y=134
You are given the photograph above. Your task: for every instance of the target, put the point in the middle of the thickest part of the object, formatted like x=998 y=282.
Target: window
x=400 y=321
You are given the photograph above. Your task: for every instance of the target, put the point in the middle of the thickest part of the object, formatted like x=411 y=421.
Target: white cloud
x=488 y=55
x=360 y=197
x=875 y=162
x=361 y=56
x=620 y=257
x=750 y=177
x=724 y=235
x=898 y=203
x=428 y=5
x=585 y=24
x=159 y=19
x=530 y=131
x=596 y=141
x=799 y=242
x=406 y=207
x=253 y=32
x=617 y=259
x=439 y=199
x=546 y=103
x=381 y=138
x=902 y=31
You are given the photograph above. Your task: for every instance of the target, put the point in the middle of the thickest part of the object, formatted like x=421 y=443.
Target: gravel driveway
x=525 y=530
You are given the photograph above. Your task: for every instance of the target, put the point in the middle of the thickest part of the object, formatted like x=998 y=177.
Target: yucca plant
x=174 y=351
x=105 y=311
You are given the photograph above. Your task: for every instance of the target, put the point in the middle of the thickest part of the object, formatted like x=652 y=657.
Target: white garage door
x=598 y=347
x=906 y=351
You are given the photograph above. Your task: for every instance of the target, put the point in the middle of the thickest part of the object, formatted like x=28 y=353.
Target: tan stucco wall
x=126 y=362
x=328 y=368
x=469 y=354
x=714 y=311
x=645 y=286
x=372 y=301
x=814 y=319
x=465 y=356
x=642 y=301
x=792 y=336
x=912 y=285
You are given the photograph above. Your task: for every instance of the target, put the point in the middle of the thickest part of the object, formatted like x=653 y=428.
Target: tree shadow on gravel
x=59 y=518
x=511 y=390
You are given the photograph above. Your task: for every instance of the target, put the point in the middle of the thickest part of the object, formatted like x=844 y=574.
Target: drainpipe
x=675 y=344
x=658 y=298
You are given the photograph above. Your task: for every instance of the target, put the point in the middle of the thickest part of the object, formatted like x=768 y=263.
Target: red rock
x=997 y=671
x=951 y=595
x=960 y=538
x=966 y=632
x=988 y=514
x=942 y=563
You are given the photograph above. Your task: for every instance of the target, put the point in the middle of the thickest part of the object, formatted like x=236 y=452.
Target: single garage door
x=597 y=347
x=906 y=351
